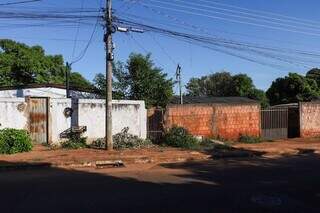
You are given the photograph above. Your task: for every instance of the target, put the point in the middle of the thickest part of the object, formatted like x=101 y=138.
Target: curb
x=96 y=164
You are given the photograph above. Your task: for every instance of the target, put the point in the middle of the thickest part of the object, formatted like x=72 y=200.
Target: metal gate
x=38 y=120
x=155 y=124
x=274 y=123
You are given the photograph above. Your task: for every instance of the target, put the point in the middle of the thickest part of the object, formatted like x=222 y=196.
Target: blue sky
x=166 y=52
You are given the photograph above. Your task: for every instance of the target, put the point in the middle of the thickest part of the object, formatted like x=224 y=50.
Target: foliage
x=123 y=140
x=314 y=74
x=249 y=139
x=218 y=84
x=260 y=96
x=23 y=64
x=223 y=84
x=180 y=137
x=14 y=141
x=75 y=141
x=292 y=88
x=139 y=79
x=77 y=80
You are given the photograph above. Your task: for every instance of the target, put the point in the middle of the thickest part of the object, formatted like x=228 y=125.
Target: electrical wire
x=19 y=2
x=77 y=31
x=233 y=20
x=84 y=51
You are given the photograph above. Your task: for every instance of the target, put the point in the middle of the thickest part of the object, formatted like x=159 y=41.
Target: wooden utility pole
x=109 y=60
x=178 y=76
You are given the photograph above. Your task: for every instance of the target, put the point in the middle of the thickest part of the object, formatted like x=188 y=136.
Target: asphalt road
x=288 y=184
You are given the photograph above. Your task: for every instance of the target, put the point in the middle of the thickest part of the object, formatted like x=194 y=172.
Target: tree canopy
x=293 y=88
x=139 y=79
x=22 y=64
x=223 y=84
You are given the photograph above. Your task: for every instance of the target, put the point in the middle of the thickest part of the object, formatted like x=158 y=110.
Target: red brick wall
x=232 y=121
x=225 y=121
x=196 y=118
x=310 y=119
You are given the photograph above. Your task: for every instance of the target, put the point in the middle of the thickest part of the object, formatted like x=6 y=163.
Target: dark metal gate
x=274 y=123
x=155 y=124
x=38 y=119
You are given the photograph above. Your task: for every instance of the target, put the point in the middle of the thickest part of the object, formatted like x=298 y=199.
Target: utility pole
x=68 y=70
x=109 y=60
x=178 y=76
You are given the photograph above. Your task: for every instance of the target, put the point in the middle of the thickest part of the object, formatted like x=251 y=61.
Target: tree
x=22 y=64
x=241 y=85
x=77 y=80
x=139 y=79
x=314 y=74
x=223 y=84
x=292 y=88
x=218 y=84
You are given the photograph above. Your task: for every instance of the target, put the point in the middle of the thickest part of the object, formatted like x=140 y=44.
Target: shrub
x=249 y=139
x=123 y=140
x=75 y=141
x=180 y=137
x=14 y=141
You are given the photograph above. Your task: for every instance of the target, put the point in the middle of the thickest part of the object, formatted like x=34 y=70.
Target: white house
x=47 y=114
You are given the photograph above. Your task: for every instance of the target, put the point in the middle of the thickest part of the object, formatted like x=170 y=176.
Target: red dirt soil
x=65 y=157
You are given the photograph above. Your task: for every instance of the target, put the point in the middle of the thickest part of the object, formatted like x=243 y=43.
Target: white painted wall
x=125 y=113
x=57 y=121
x=10 y=115
x=87 y=112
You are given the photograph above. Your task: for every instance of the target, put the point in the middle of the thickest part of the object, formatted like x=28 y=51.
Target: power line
x=19 y=2
x=77 y=31
x=234 y=21
x=259 y=11
x=84 y=51
x=250 y=14
x=208 y=42
x=163 y=50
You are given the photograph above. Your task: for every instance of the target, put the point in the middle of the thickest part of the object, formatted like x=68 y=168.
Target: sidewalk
x=42 y=155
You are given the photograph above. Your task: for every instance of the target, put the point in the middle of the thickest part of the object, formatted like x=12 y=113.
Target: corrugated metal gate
x=274 y=123
x=38 y=119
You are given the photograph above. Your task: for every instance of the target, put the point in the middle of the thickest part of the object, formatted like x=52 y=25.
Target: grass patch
x=14 y=141
x=249 y=139
x=75 y=143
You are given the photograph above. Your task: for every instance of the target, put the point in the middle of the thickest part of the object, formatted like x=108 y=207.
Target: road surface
x=286 y=184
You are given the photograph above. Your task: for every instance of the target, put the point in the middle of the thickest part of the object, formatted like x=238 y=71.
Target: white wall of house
x=87 y=112
x=44 y=92
x=13 y=113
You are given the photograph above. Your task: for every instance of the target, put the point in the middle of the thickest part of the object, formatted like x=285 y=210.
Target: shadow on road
x=286 y=184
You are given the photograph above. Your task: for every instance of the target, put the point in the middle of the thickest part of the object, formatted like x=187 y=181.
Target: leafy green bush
x=180 y=137
x=74 y=142
x=14 y=141
x=249 y=139
x=123 y=140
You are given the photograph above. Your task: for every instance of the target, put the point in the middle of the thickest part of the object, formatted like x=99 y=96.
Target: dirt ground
x=65 y=157
x=284 y=147
x=69 y=158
